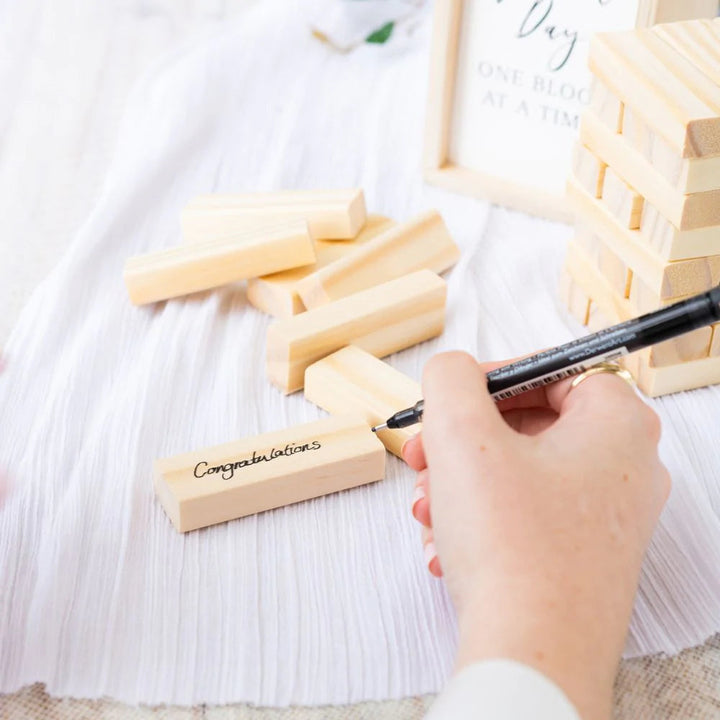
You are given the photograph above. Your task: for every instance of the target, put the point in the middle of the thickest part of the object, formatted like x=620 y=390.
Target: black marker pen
x=579 y=355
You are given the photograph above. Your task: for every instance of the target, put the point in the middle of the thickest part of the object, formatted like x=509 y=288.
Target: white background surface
x=324 y=602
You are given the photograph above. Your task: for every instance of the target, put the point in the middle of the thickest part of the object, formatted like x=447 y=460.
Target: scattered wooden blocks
x=380 y=320
x=249 y=476
x=277 y=294
x=330 y=214
x=354 y=380
x=423 y=243
x=191 y=268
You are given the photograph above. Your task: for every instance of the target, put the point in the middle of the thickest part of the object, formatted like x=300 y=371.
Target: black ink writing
x=227 y=470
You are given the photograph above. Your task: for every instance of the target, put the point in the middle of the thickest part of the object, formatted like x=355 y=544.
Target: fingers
x=421 y=501
x=413 y=453
x=430 y=553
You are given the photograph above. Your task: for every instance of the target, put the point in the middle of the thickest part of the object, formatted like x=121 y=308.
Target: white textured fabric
x=501 y=690
x=327 y=601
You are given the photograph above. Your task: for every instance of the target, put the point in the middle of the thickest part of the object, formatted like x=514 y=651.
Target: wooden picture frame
x=510 y=186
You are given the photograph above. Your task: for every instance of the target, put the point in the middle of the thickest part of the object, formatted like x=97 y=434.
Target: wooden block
x=672 y=11
x=606 y=106
x=249 y=476
x=697 y=42
x=352 y=380
x=615 y=271
x=608 y=308
x=657 y=381
x=643 y=300
x=715 y=345
x=668 y=280
x=672 y=244
x=574 y=298
x=686 y=212
x=694 y=345
x=423 y=243
x=686 y=175
x=380 y=320
x=330 y=214
x=622 y=200
x=204 y=265
x=657 y=89
x=277 y=294
x=596 y=319
x=588 y=170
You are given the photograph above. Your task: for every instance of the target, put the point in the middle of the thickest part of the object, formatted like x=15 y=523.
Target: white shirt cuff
x=501 y=690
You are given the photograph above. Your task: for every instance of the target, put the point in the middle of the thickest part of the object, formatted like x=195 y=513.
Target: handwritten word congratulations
x=228 y=469
x=540 y=18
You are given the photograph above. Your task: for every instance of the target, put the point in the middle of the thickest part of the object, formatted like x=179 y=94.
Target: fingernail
x=417 y=497
x=430 y=553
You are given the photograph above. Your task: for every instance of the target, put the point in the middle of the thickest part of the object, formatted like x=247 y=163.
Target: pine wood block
x=574 y=298
x=622 y=200
x=668 y=280
x=643 y=300
x=330 y=214
x=672 y=11
x=657 y=87
x=615 y=271
x=352 y=380
x=697 y=42
x=715 y=345
x=277 y=294
x=658 y=381
x=588 y=170
x=606 y=106
x=672 y=244
x=694 y=345
x=686 y=212
x=423 y=243
x=381 y=320
x=229 y=481
x=687 y=175
x=596 y=319
x=204 y=265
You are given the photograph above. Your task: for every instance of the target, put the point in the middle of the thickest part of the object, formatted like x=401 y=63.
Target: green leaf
x=381 y=35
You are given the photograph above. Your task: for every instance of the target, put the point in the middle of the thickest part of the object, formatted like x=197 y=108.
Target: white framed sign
x=508 y=83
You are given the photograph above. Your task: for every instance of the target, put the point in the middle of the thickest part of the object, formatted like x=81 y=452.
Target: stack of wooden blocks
x=346 y=290
x=646 y=191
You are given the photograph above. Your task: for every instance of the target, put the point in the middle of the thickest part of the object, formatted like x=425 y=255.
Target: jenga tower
x=645 y=188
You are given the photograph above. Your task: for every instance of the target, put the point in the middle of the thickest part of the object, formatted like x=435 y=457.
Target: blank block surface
x=381 y=320
x=622 y=200
x=588 y=170
x=352 y=380
x=200 y=266
x=423 y=243
x=330 y=214
x=277 y=294
x=248 y=476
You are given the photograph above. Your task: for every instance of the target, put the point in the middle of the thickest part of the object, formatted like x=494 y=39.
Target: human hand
x=540 y=509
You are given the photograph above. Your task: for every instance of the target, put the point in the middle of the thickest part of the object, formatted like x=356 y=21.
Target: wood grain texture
x=588 y=170
x=607 y=308
x=647 y=83
x=381 y=320
x=687 y=175
x=422 y=243
x=229 y=481
x=606 y=105
x=277 y=294
x=622 y=200
x=668 y=280
x=686 y=212
x=644 y=300
x=672 y=244
x=607 y=262
x=203 y=265
x=352 y=380
x=697 y=42
x=330 y=214
x=669 y=11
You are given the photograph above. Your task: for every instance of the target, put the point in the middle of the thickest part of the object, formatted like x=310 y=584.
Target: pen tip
x=379 y=427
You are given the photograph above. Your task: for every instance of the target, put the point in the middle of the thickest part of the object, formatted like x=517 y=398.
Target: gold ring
x=606 y=367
